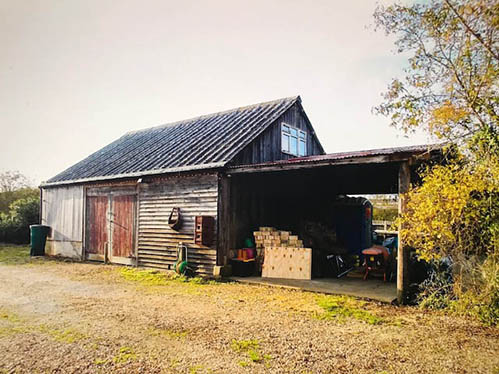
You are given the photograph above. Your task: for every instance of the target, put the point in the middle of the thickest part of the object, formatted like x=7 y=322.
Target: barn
x=225 y=174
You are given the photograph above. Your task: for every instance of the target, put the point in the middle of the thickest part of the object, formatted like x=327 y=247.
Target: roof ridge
x=192 y=119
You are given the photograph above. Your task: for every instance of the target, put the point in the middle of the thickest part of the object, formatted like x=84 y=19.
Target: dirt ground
x=64 y=317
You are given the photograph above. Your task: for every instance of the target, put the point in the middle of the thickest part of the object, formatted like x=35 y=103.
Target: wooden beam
x=223 y=219
x=297 y=165
x=306 y=165
x=403 y=251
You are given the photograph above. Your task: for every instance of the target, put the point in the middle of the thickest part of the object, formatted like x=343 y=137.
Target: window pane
x=285 y=142
x=303 y=135
x=285 y=128
x=293 y=132
x=303 y=148
x=293 y=146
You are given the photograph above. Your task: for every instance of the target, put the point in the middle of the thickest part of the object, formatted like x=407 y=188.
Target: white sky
x=75 y=75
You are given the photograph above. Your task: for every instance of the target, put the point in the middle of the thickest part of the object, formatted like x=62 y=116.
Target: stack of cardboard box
x=281 y=254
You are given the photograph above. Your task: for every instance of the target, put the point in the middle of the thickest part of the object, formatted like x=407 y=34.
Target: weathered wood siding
x=267 y=146
x=62 y=210
x=157 y=242
x=123 y=226
x=96 y=227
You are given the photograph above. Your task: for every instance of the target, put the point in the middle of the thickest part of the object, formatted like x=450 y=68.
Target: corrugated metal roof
x=203 y=142
x=331 y=157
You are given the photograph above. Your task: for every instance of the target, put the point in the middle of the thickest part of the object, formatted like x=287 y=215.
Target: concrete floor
x=372 y=289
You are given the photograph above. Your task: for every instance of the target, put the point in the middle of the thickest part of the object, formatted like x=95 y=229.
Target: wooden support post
x=403 y=252
x=223 y=219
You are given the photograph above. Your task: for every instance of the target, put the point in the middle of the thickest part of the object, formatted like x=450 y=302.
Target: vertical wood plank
x=403 y=252
x=224 y=224
x=123 y=226
x=96 y=225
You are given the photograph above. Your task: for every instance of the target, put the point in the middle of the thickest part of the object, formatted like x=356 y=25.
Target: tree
x=450 y=89
x=451 y=82
x=13 y=180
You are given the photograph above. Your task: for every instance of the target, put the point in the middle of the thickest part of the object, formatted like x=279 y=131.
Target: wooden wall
x=267 y=146
x=157 y=243
x=62 y=210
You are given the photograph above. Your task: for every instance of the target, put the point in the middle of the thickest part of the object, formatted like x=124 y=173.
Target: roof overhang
x=216 y=165
x=412 y=154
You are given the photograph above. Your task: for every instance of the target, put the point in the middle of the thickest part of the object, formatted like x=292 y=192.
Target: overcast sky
x=75 y=75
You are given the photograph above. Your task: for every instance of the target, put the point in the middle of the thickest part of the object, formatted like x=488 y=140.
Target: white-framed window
x=293 y=140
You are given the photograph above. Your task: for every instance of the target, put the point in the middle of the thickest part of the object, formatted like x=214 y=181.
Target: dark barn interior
x=288 y=198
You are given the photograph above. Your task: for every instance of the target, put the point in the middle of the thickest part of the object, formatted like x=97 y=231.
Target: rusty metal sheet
x=123 y=225
x=96 y=228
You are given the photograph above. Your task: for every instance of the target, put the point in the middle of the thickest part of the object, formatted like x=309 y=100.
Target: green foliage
x=14 y=225
x=385 y=214
x=455 y=211
x=8 y=197
x=450 y=90
x=450 y=87
x=455 y=214
x=341 y=308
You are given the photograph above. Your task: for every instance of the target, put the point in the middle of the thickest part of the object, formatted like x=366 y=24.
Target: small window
x=293 y=140
x=285 y=142
x=302 y=151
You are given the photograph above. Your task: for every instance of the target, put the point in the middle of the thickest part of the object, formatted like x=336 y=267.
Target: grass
x=13 y=324
x=342 y=308
x=68 y=335
x=125 y=354
x=149 y=277
x=14 y=254
x=250 y=349
x=169 y=333
x=9 y=316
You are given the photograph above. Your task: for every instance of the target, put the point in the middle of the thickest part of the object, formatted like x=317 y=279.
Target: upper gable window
x=293 y=140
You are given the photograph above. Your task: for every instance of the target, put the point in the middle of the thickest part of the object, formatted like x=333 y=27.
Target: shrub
x=14 y=226
x=455 y=214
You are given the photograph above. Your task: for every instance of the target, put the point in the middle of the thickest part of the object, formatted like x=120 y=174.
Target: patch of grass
x=145 y=277
x=99 y=361
x=14 y=254
x=195 y=369
x=244 y=345
x=11 y=324
x=9 y=316
x=125 y=354
x=343 y=307
x=169 y=333
x=251 y=349
x=13 y=330
x=68 y=335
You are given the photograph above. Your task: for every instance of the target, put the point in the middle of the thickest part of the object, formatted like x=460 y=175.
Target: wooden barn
x=226 y=174
x=114 y=205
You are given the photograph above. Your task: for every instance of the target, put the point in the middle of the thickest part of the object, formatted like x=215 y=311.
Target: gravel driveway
x=63 y=317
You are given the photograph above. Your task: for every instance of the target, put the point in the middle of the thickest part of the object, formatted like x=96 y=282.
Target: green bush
x=14 y=225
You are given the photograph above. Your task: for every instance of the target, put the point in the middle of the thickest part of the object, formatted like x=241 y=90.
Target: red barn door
x=96 y=227
x=110 y=227
x=123 y=229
